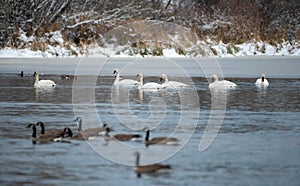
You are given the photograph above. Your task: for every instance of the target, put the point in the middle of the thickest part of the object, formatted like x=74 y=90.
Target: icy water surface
x=258 y=143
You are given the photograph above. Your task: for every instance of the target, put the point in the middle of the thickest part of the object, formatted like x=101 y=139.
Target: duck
x=149 y=86
x=98 y=131
x=81 y=135
x=64 y=76
x=42 y=83
x=123 y=82
x=216 y=83
x=122 y=137
x=43 y=138
x=173 y=84
x=262 y=82
x=159 y=140
x=154 y=168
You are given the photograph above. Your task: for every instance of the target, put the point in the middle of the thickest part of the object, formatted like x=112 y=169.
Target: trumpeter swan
x=174 y=84
x=216 y=83
x=42 y=83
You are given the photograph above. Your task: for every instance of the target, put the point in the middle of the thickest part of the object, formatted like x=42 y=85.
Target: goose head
x=30 y=125
x=146 y=129
x=39 y=123
x=42 y=125
x=68 y=132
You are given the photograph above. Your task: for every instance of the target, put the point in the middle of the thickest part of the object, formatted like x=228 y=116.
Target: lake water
x=258 y=142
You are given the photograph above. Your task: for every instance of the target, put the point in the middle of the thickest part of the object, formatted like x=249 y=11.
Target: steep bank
x=149 y=28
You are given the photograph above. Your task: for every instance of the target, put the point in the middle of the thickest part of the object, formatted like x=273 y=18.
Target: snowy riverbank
x=58 y=47
x=217 y=50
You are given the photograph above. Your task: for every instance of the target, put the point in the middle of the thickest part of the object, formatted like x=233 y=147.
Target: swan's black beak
x=34 y=74
x=161 y=80
x=114 y=72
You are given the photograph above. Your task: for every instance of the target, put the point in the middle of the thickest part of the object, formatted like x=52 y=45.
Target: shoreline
x=244 y=67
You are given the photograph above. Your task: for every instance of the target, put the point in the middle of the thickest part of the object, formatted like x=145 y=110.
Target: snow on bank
x=56 y=46
x=218 y=50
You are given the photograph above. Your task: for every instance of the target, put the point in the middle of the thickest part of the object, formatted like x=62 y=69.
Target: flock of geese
x=66 y=135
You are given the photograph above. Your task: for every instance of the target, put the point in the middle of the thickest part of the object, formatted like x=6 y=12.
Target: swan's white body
x=124 y=82
x=42 y=83
x=149 y=86
x=173 y=84
x=221 y=84
x=262 y=82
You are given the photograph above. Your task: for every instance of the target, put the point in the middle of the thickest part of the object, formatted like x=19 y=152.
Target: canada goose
x=42 y=83
x=98 y=131
x=221 y=84
x=122 y=137
x=168 y=83
x=125 y=82
x=262 y=82
x=81 y=135
x=149 y=86
x=159 y=140
x=51 y=134
x=154 y=168
x=33 y=136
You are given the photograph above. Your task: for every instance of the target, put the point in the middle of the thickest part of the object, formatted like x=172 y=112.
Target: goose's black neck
x=42 y=128
x=137 y=161
x=68 y=131
x=33 y=136
x=33 y=132
x=147 y=135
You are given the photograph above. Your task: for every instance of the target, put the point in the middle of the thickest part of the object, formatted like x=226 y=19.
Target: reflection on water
x=258 y=140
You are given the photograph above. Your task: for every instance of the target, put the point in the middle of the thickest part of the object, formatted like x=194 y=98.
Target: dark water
x=258 y=143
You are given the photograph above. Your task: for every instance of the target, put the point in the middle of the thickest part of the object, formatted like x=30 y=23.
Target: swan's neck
x=117 y=80
x=36 y=79
x=166 y=80
x=137 y=161
x=263 y=79
x=147 y=135
x=141 y=82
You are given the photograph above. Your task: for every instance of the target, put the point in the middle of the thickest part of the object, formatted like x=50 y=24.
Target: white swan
x=149 y=86
x=262 y=82
x=42 y=83
x=174 y=84
x=124 y=82
x=221 y=84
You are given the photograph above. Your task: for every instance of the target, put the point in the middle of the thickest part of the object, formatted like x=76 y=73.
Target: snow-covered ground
x=56 y=46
